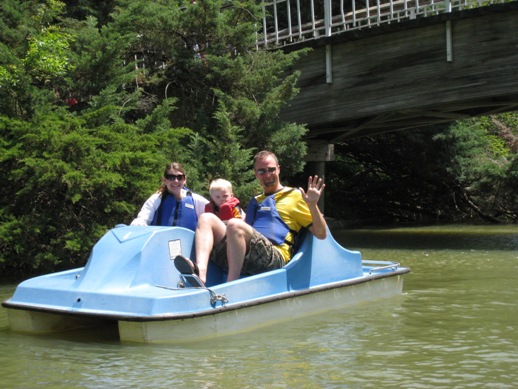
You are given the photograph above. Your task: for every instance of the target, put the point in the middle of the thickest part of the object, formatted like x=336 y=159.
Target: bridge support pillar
x=319 y=152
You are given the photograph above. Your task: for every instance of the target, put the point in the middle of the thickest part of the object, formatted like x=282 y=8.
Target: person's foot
x=185 y=265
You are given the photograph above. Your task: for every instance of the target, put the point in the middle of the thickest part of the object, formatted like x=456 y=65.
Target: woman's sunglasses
x=172 y=177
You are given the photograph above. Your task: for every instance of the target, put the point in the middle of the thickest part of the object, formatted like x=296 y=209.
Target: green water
x=455 y=326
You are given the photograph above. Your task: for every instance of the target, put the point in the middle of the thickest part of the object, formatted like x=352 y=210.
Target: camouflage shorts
x=261 y=257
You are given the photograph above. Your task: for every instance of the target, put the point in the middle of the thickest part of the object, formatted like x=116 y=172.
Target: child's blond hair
x=219 y=184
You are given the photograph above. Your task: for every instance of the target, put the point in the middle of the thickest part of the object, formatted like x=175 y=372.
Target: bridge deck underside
x=399 y=76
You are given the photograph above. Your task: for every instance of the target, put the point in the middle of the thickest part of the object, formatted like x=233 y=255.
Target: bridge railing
x=288 y=22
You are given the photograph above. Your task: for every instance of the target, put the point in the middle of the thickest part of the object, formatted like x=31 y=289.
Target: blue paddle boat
x=130 y=279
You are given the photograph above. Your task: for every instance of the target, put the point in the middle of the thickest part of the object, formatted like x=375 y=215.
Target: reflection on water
x=454 y=326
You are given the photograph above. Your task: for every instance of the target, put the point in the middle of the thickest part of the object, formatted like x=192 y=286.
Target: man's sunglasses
x=172 y=177
x=263 y=171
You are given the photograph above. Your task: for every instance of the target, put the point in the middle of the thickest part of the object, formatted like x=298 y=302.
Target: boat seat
x=301 y=236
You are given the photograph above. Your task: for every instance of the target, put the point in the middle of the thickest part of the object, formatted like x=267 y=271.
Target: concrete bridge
x=395 y=65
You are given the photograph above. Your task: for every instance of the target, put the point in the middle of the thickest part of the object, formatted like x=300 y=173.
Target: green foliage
x=99 y=63
x=202 y=56
x=466 y=170
x=15 y=25
x=68 y=182
x=484 y=162
x=221 y=153
x=47 y=54
x=257 y=96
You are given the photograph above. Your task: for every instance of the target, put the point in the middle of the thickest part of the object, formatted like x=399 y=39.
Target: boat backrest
x=304 y=238
x=320 y=261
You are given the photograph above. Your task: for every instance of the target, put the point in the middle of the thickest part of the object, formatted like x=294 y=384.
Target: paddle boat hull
x=130 y=279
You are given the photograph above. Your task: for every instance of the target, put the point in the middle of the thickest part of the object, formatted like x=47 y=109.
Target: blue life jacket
x=172 y=212
x=265 y=218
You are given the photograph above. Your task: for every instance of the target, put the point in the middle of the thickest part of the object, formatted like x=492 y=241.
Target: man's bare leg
x=238 y=242
x=210 y=230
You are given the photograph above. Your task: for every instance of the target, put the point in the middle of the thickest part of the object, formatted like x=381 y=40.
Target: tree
x=69 y=180
x=203 y=54
x=484 y=162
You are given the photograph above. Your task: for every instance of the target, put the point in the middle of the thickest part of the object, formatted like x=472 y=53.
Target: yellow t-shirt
x=294 y=212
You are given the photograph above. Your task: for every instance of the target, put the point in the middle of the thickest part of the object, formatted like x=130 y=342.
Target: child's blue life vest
x=173 y=212
x=265 y=218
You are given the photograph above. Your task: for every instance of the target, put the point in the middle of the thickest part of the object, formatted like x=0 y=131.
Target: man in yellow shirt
x=263 y=241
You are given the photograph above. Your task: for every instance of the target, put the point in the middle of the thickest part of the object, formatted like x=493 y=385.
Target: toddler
x=222 y=201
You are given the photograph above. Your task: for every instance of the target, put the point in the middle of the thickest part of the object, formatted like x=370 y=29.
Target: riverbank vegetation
x=466 y=171
x=96 y=97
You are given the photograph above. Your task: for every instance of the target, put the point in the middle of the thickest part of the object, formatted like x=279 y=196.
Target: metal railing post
x=327 y=17
x=313 y=23
x=276 y=22
x=290 y=27
x=299 y=19
x=265 y=28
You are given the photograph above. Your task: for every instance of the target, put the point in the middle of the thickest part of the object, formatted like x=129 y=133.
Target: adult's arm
x=145 y=216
